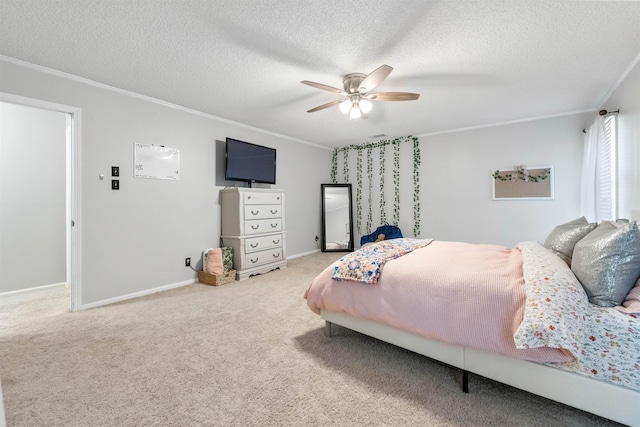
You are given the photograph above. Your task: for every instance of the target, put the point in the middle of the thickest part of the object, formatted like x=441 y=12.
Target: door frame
x=73 y=200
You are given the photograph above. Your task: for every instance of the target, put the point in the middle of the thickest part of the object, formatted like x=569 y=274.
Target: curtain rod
x=603 y=113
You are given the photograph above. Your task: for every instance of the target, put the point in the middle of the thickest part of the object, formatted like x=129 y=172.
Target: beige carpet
x=244 y=354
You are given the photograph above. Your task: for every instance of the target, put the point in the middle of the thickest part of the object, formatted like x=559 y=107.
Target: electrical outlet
x=317 y=238
x=187 y=262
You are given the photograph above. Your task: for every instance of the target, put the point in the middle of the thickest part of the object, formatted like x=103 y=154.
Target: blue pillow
x=389 y=231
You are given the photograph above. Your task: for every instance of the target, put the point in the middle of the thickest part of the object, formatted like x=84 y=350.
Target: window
x=606 y=176
x=599 y=193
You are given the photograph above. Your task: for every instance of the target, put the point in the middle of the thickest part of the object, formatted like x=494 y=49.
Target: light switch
x=115 y=184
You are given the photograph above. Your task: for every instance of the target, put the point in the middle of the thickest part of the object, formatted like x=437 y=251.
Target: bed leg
x=465 y=381
x=327 y=329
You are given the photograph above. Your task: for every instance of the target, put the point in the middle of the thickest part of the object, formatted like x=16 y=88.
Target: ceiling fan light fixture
x=345 y=106
x=356 y=89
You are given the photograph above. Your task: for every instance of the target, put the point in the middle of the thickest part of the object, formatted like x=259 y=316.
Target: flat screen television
x=249 y=162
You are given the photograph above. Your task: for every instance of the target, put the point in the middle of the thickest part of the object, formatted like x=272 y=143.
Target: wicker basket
x=216 y=279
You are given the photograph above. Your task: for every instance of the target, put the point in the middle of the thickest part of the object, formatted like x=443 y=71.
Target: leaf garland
x=416 y=186
x=383 y=214
x=345 y=165
x=370 y=178
x=359 y=190
x=396 y=181
x=334 y=166
x=520 y=173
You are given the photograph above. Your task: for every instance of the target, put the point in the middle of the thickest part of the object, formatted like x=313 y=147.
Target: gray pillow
x=607 y=263
x=564 y=237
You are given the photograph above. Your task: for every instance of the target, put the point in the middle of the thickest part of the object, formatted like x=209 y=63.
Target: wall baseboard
x=163 y=288
x=137 y=294
x=34 y=289
x=303 y=254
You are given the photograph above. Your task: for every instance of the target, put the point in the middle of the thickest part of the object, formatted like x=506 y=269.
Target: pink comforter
x=461 y=293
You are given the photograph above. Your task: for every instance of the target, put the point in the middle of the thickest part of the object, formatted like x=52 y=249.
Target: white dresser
x=253 y=225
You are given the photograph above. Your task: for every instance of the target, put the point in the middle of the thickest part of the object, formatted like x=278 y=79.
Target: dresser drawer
x=256 y=198
x=264 y=257
x=262 y=211
x=260 y=226
x=257 y=244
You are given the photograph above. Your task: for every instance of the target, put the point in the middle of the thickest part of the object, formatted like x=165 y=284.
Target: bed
x=518 y=315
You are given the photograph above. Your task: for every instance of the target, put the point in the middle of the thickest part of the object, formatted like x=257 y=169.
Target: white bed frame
x=606 y=400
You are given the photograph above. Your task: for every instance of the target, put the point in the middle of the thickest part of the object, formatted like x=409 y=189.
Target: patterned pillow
x=564 y=237
x=227 y=258
x=607 y=263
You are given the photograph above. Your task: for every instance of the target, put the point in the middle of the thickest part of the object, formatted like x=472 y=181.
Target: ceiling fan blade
x=375 y=78
x=324 y=87
x=392 y=96
x=327 y=105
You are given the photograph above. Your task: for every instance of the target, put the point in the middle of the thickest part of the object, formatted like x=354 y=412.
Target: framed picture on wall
x=523 y=183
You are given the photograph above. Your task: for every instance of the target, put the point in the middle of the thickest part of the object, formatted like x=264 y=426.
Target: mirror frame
x=323 y=246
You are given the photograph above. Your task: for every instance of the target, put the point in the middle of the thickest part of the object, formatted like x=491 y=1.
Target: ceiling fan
x=357 y=90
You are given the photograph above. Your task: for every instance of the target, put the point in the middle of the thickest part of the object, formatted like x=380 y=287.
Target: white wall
x=32 y=197
x=626 y=97
x=136 y=239
x=457 y=183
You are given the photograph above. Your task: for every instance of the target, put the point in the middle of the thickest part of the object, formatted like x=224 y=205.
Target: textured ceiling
x=473 y=62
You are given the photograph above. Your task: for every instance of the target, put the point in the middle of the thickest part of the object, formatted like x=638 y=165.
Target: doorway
x=67 y=155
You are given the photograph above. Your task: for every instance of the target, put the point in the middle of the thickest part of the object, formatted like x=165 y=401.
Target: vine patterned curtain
x=359 y=151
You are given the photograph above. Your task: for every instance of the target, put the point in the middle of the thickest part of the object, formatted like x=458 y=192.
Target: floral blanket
x=365 y=265
x=610 y=349
x=556 y=303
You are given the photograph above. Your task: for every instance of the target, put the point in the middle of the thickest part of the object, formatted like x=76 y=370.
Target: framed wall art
x=523 y=183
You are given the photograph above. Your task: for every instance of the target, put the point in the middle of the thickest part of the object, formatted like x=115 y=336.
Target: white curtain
x=598 y=187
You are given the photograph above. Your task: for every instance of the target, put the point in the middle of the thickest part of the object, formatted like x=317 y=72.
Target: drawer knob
x=275 y=242
x=255 y=213
x=276 y=255
x=274 y=225
x=274 y=212
x=255 y=227
x=253 y=245
x=254 y=260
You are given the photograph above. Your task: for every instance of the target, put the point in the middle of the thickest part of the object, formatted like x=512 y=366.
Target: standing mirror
x=337 y=218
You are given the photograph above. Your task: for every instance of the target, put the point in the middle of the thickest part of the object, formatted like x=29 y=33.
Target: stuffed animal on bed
x=380 y=238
